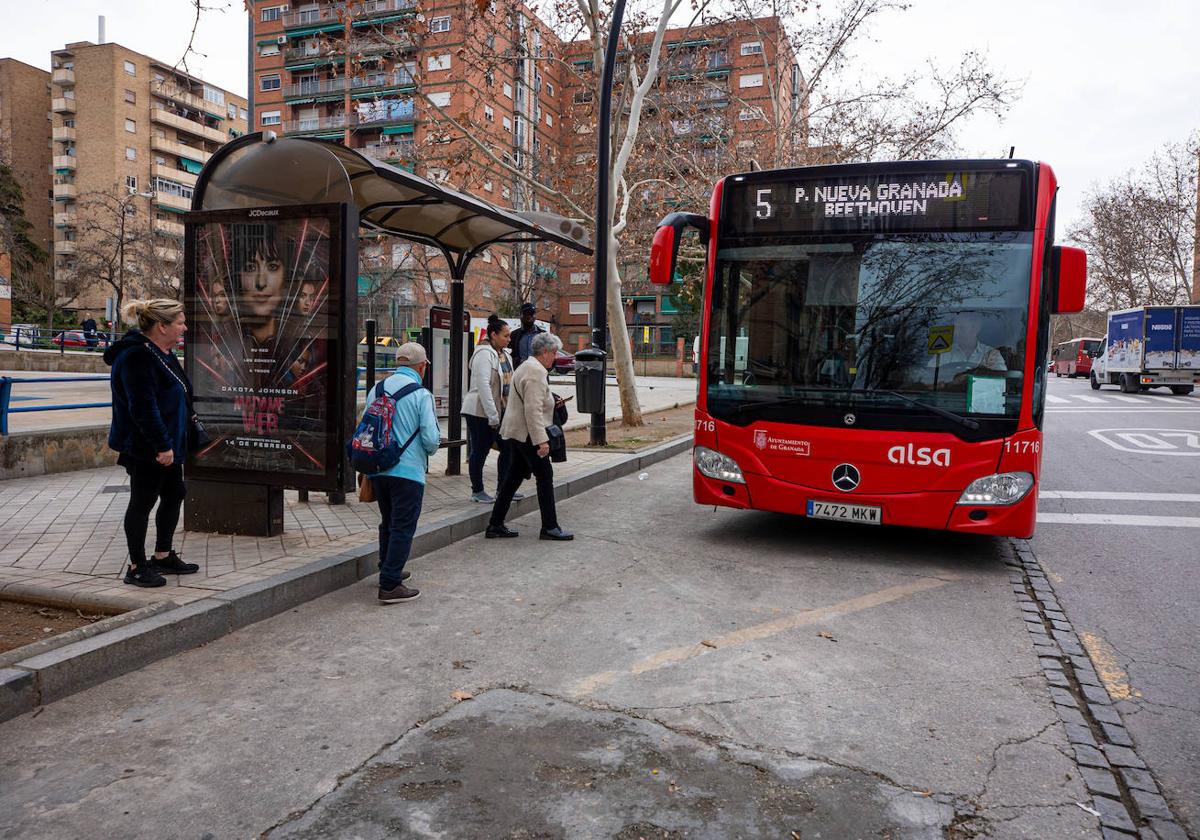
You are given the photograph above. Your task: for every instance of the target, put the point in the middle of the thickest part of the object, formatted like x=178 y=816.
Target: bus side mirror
x=1069 y=267
x=665 y=249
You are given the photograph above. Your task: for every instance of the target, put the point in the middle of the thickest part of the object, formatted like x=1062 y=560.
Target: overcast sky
x=1106 y=81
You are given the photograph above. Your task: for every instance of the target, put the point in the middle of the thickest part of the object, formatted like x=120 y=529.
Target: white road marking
x=1116 y=409
x=1118 y=519
x=1116 y=496
x=1124 y=398
x=1050 y=398
x=1090 y=399
x=1143 y=441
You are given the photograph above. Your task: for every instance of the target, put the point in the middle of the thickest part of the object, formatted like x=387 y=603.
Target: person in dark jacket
x=522 y=337
x=88 y=325
x=151 y=416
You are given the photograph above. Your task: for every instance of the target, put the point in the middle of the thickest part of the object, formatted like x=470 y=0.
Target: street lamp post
x=599 y=434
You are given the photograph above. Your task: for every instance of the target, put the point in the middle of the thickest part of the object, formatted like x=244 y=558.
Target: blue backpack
x=374 y=449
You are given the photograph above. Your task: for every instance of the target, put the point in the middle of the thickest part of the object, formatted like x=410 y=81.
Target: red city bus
x=874 y=338
x=1074 y=358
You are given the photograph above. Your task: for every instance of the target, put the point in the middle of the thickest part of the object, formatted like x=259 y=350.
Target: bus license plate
x=865 y=514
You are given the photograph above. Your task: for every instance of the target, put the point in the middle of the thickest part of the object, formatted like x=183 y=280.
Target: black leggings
x=149 y=483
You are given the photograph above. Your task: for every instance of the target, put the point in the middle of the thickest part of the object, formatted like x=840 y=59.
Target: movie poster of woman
x=260 y=337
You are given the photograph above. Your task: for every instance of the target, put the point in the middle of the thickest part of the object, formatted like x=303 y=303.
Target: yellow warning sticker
x=941 y=339
x=645 y=335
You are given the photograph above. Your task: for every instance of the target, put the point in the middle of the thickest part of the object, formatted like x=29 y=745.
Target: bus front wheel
x=1095 y=383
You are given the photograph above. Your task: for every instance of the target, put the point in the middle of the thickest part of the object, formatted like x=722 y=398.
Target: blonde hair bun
x=144 y=314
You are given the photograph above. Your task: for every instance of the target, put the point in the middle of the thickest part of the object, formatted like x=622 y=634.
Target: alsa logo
x=921 y=456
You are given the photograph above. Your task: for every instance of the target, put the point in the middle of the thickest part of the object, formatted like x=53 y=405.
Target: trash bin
x=589 y=380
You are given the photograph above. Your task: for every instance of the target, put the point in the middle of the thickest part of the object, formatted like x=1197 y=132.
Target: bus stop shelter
x=262 y=170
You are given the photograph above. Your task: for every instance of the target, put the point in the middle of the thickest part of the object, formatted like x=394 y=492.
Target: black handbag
x=558 y=443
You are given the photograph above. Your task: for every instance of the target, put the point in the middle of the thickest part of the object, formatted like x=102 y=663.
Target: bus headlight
x=713 y=464
x=997 y=489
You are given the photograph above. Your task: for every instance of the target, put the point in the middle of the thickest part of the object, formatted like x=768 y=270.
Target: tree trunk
x=622 y=355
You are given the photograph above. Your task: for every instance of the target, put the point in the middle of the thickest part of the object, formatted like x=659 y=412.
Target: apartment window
x=487 y=256
x=491 y=42
x=438 y=175
x=215 y=95
x=580 y=307
x=752 y=48
x=750 y=80
x=507 y=124
x=440 y=24
x=270 y=117
x=439 y=284
x=750 y=114
x=441 y=99
x=580 y=278
x=504 y=262
x=130 y=97
x=242 y=113
x=550 y=88
x=268 y=49
x=68 y=123
x=131 y=183
x=488 y=113
x=271 y=82
x=130 y=153
x=130 y=69
x=487 y=291
x=505 y=192
x=438 y=62
x=161 y=134
x=131 y=126
x=231 y=111
x=549 y=119
x=270 y=14
x=582 y=96
x=508 y=90
x=487 y=186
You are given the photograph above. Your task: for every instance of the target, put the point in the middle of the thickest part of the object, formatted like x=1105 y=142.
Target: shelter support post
x=454 y=454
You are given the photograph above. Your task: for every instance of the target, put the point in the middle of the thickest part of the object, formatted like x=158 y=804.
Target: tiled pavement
x=65 y=532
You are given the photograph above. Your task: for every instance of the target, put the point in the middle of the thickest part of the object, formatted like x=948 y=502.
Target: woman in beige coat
x=530 y=410
x=483 y=406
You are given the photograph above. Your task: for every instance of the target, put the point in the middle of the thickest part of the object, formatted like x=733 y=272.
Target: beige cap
x=411 y=355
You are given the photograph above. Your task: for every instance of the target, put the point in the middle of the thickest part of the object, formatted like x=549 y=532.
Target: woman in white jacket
x=483 y=405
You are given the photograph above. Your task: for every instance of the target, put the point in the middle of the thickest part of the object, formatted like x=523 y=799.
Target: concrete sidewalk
x=62 y=542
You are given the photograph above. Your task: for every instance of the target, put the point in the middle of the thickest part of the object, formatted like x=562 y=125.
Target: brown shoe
x=397 y=594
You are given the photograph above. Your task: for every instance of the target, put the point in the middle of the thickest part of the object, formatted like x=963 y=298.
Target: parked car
x=564 y=362
x=76 y=338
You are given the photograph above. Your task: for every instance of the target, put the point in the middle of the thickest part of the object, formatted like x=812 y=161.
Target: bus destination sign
x=922 y=201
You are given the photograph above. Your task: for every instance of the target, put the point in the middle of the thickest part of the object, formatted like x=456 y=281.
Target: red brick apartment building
x=406 y=84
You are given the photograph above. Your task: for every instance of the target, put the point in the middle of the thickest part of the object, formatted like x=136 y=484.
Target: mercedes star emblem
x=850 y=419
x=845 y=477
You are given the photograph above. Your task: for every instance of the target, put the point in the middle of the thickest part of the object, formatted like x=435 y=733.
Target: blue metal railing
x=7 y=382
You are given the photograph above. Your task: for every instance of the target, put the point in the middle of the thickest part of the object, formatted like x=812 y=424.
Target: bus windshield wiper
x=751 y=406
x=938 y=410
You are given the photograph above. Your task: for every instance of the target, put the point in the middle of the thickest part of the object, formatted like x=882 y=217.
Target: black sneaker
x=172 y=565
x=494 y=532
x=397 y=594
x=144 y=575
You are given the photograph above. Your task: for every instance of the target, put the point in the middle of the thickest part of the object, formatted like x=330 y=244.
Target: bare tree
x=1140 y=232
x=118 y=248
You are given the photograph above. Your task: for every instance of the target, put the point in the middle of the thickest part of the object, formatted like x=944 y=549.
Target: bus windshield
x=916 y=331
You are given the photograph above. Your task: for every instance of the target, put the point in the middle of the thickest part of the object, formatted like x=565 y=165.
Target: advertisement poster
x=1189 y=338
x=1160 y=339
x=264 y=344
x=1125 y=340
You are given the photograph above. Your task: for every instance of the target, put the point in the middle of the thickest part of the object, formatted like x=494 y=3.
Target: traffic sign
x=941 y=339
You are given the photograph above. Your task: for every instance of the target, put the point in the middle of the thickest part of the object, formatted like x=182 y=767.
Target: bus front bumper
x=933 y=510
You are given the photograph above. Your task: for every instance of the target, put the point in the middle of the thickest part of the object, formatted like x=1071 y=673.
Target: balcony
x=63 y=134
x=165 y=116
x=167 y=254
x=63 y=105
x=170 y=201
x=311 y=125
x=65 y=192
x=63 y=220
x=64 y=246
x=311 y=55
x=327 y=16
x=400 y=155
x=162 y=170
x=63 y=76
x=161 y=144
x=187 y=98
x=168 y=228
x=64 y=162
x=326 y=87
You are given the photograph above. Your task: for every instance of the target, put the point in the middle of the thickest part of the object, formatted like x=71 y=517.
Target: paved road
x=1124 y=566
x=675 y=669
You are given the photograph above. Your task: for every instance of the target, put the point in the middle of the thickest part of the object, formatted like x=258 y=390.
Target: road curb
x=1125 y=797
x=166 y=629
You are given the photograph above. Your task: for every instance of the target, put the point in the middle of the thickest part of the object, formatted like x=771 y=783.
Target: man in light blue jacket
x=401 y=489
